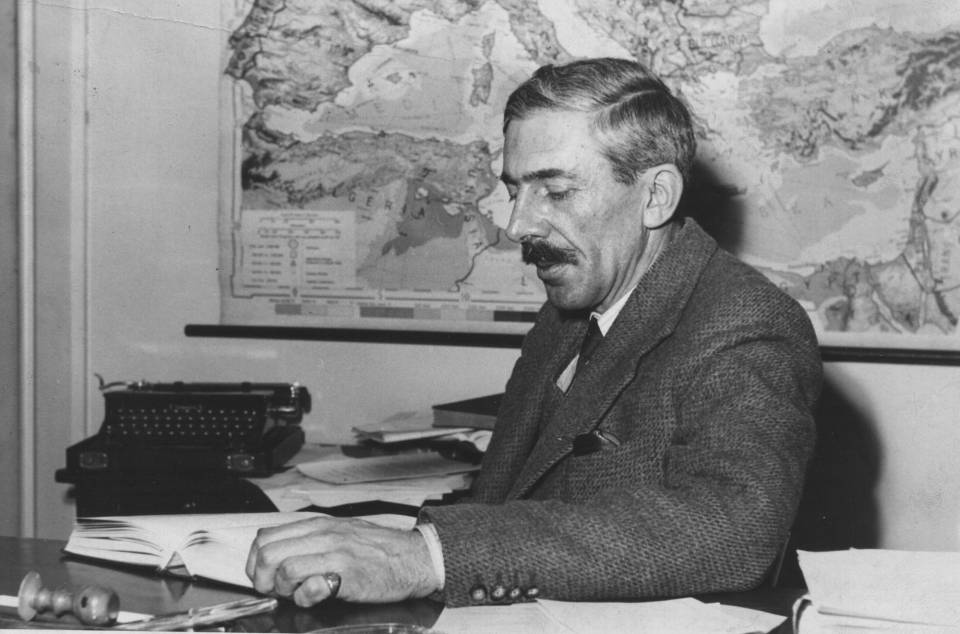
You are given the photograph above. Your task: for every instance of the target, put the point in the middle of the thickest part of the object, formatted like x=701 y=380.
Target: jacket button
x=478 y=594
x=515 y=593
x=533 y=592
x=499 y=593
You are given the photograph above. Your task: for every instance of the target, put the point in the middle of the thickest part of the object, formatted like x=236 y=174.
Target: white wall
x=149 y=257
x=911 y=431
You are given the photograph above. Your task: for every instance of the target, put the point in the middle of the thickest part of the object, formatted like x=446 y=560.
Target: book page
x=127 y=540
x=153 y=540
x=220 y=555
x=219 y=549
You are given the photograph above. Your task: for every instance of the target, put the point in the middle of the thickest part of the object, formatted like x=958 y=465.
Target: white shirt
x=604 y=322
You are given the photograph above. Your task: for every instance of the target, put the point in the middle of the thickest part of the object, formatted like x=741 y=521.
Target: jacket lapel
x=546 y=350
x=650 y=315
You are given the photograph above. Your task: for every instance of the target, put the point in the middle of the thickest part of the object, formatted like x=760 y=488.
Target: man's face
x=581 y=227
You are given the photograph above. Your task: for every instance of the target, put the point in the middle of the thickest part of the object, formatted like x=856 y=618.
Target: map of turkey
x=363 y=144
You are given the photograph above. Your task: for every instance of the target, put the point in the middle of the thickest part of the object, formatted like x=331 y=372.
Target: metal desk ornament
x=98 y=607
x=92 y=605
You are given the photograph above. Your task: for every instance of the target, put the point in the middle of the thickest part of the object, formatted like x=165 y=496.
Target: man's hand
x=375 y=564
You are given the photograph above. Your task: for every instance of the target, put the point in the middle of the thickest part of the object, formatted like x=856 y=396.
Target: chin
x=566 y=301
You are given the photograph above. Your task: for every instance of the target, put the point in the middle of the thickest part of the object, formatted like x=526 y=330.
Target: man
x=669 y=464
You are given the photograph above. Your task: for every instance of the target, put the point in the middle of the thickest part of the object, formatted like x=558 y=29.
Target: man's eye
x=559 y=195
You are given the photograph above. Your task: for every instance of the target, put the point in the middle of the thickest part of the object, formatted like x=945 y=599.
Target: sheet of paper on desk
x=528 y=618
x=382 y=468
x=663 y=617
x=673 y=615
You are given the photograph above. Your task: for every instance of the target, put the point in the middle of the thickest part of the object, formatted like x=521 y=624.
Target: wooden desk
x=142 y=591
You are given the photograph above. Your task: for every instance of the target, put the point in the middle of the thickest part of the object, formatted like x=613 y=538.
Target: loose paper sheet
x=675 y=616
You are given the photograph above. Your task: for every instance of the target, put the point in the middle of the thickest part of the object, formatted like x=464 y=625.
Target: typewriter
x=247 y=429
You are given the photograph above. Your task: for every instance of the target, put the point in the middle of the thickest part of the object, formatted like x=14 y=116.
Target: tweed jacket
x=707 y=379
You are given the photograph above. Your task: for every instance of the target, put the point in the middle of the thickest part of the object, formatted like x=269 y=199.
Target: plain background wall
x=129 y=256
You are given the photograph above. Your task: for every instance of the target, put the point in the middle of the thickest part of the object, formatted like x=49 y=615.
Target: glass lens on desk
x=374 y=628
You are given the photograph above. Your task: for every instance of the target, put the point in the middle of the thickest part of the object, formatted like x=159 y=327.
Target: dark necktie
x=590 y=343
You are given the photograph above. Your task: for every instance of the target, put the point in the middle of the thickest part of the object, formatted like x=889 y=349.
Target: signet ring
x=333 y=582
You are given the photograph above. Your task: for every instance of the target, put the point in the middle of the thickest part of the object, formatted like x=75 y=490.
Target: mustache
x=542 y=253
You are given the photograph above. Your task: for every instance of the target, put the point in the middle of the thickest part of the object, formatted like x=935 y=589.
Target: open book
x=211 y=546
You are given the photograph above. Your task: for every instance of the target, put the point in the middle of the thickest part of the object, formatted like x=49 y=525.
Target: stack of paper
x=421 y=464
x=410 y=479
x=879 y=590
x=409 y=426
x=404 y=426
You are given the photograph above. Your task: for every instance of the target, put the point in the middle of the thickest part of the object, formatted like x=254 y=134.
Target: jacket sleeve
x=712 y=518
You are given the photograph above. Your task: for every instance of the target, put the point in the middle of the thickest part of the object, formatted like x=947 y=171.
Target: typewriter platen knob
x=290 y=404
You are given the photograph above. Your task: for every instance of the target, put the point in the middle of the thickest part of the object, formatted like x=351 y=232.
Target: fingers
x=282 y=565
x=296 y=570
x=272 y=535
x=314 y=590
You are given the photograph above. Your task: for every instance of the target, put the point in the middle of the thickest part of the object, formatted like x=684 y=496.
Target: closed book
x=478 y=413
x=404 y=427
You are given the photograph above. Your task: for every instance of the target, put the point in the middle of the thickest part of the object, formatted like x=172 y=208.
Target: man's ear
x=664 y=186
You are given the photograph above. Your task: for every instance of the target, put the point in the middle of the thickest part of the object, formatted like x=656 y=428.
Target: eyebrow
x=537 y=175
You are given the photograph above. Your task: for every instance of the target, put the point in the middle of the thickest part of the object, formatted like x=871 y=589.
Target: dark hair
x=639 y=122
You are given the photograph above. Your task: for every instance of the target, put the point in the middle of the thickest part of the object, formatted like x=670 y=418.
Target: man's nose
x=525 y=220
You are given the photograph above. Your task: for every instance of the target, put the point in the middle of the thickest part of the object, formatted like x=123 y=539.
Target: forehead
x=549 y=140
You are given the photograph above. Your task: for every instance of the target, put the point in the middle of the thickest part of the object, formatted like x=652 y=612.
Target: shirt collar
x=607 y=317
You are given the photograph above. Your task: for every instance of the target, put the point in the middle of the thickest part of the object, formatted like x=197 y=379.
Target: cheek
x=623 y=239
x=603 y=251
